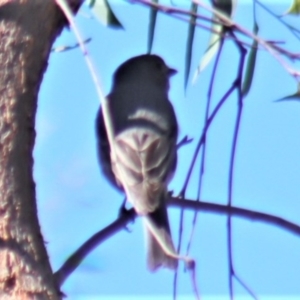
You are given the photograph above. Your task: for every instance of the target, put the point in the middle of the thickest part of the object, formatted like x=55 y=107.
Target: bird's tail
x=156 y=255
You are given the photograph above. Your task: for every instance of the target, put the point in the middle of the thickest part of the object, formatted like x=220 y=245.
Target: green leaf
x=189 y=44
x=211 y=50
x=250 y=64
x=226 y=7
x=152 y=23
x=294 y=9
x=292 y=97
x=295 y=96
x=104 y=13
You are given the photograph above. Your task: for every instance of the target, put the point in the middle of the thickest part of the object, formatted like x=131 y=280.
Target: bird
x=145 y=134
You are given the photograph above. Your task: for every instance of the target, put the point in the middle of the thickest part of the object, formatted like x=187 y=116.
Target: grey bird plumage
x=145 y=136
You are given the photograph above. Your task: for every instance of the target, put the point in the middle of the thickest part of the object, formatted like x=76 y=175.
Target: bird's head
x=144 y=68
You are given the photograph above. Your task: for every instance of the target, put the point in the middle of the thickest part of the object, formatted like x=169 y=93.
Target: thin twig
x=175 y=10
x=180 y=229
x=230 y=23
x=64 y=6
x=236 y=212
x=202 y=138
x=238 y=83
x=67 y=48
x=244 y=285
x=202 y=162
x=273 y=49
x=201 y=142
x=292 y=29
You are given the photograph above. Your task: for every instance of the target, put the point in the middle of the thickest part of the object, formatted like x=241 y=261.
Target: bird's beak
x=171 y=72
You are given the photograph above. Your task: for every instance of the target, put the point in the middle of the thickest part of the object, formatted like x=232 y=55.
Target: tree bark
x=27 y=31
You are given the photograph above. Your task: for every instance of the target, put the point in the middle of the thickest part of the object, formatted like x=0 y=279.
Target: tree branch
x=77 y=257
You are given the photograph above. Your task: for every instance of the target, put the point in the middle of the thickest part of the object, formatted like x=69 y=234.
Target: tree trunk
x=27 y=31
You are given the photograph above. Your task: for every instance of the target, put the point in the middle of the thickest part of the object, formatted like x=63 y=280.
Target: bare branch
x=77 y=257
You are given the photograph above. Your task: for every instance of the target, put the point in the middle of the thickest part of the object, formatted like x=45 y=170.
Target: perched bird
x=145 y=134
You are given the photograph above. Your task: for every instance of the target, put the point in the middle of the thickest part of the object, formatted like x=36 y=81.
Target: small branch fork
x=238 y=82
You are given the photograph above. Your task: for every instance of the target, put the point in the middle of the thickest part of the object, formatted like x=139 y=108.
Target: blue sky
x=74 y=201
